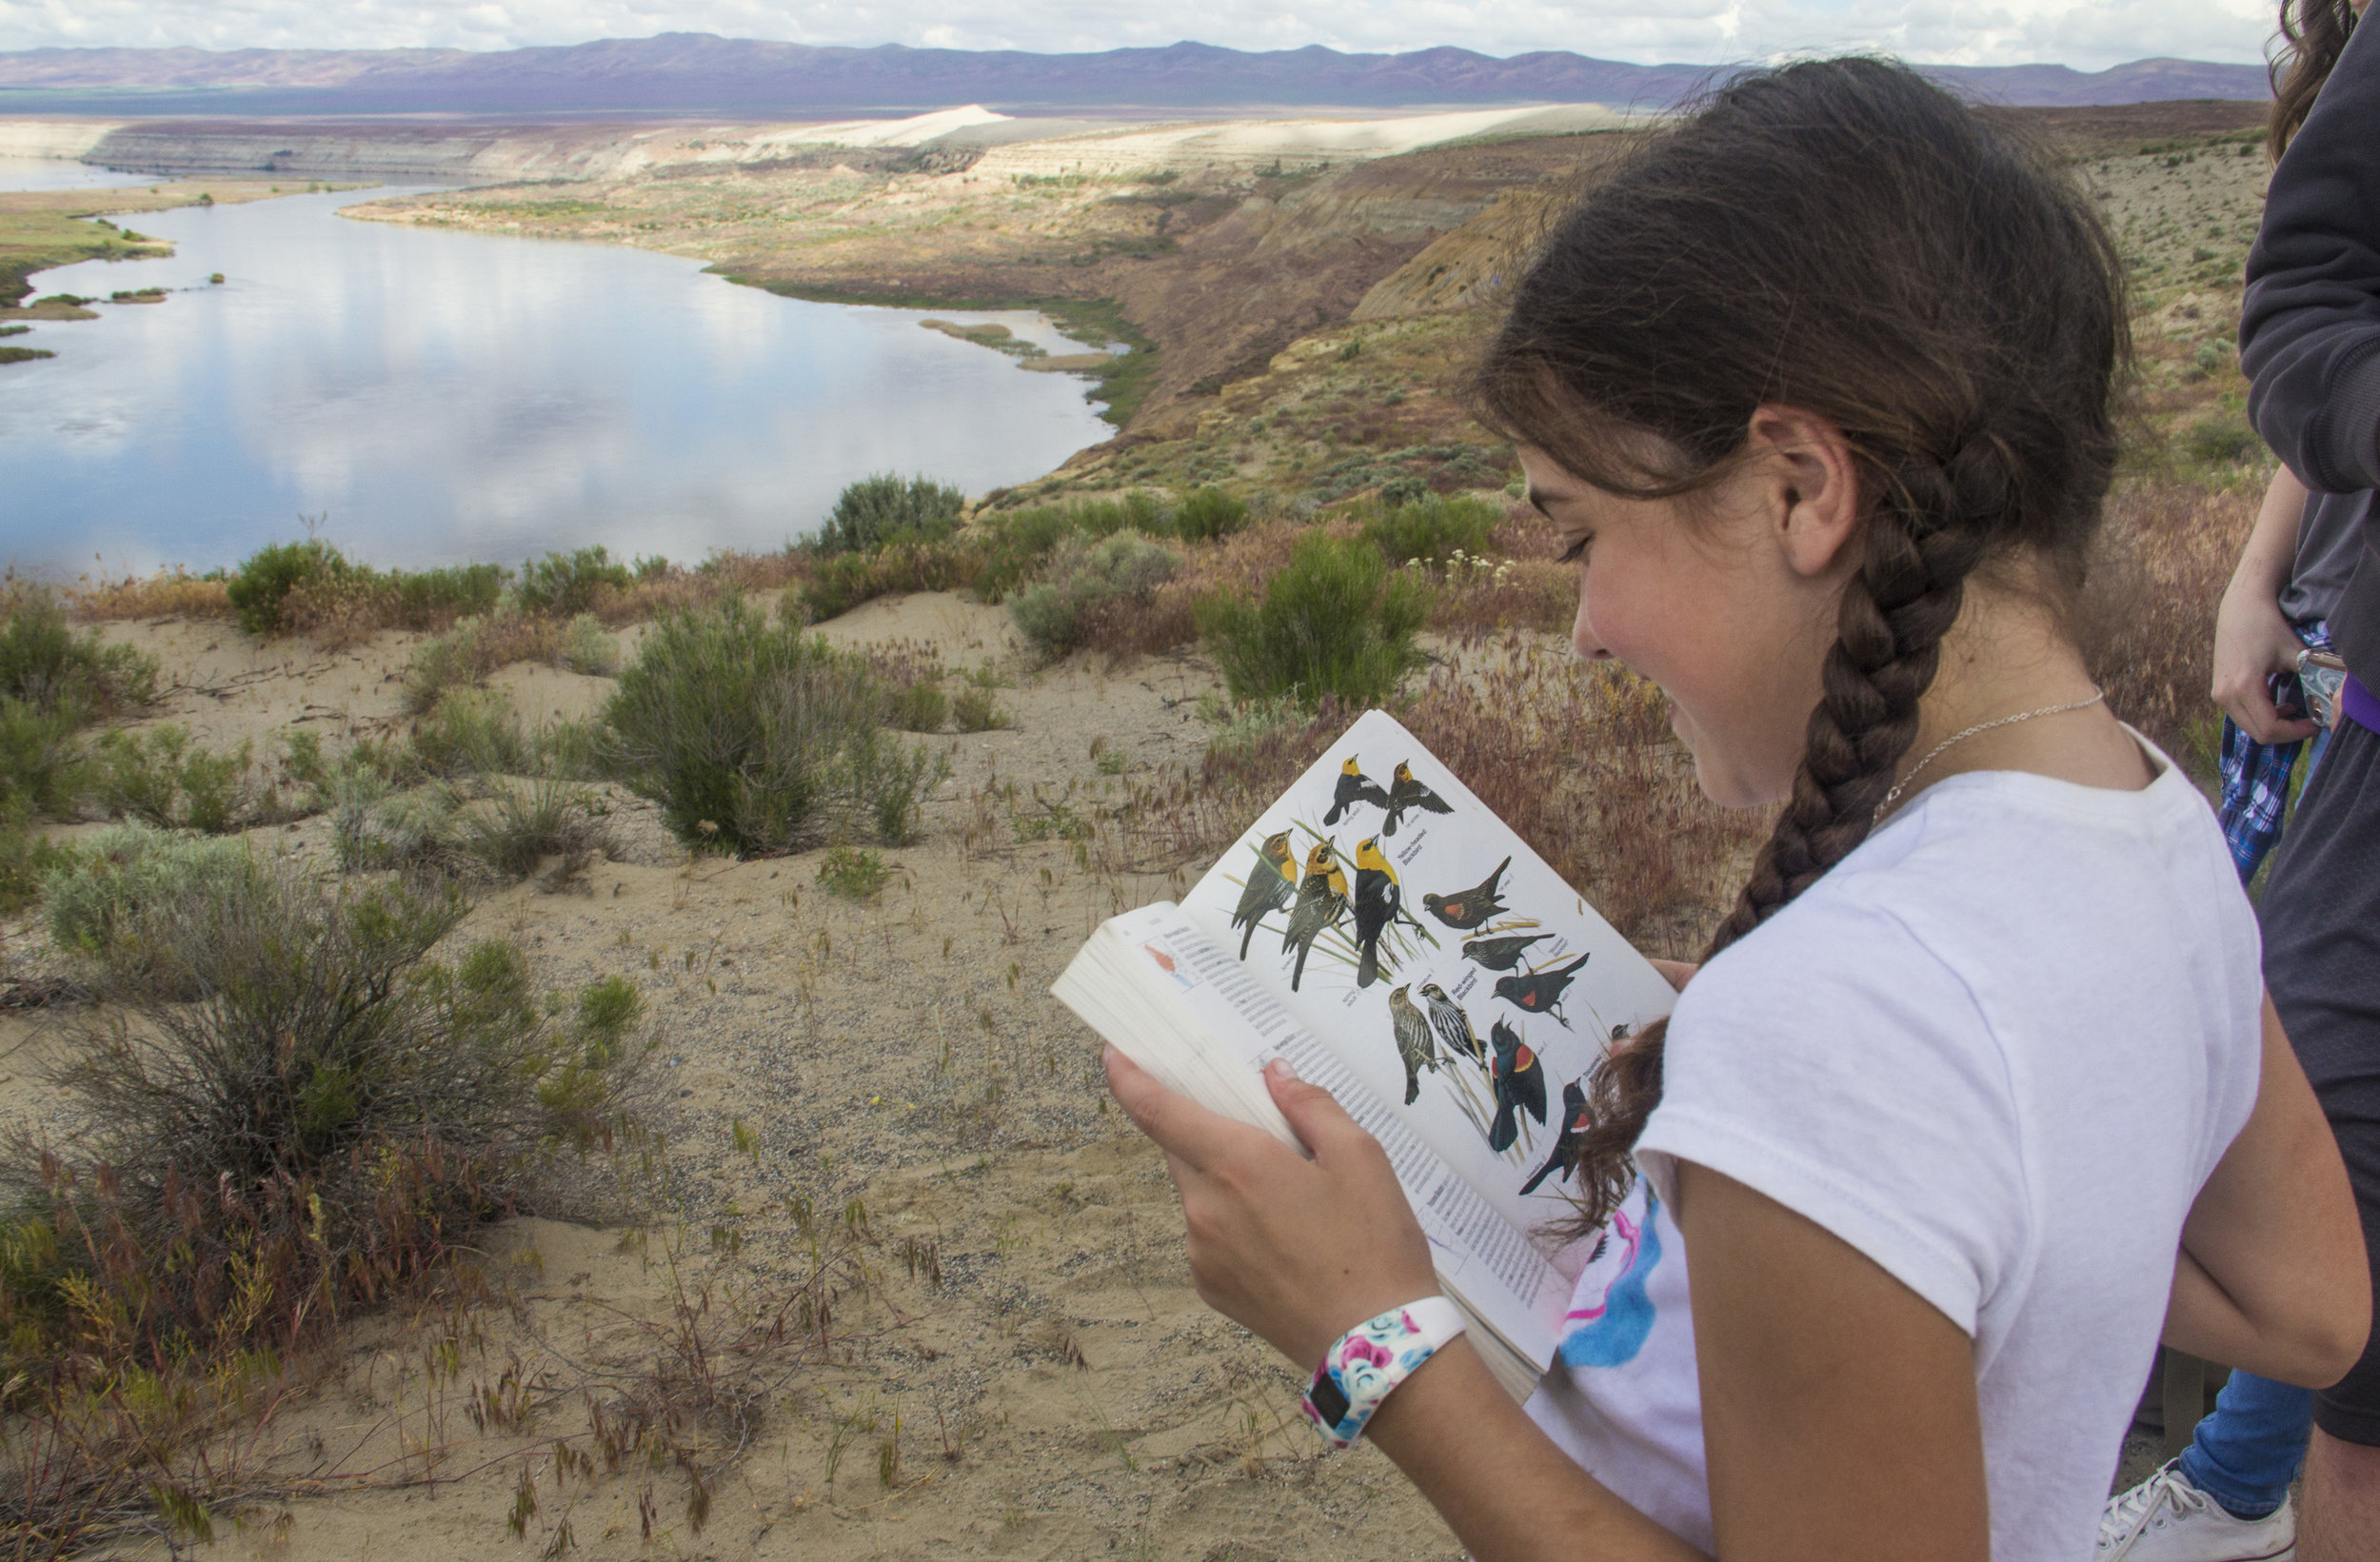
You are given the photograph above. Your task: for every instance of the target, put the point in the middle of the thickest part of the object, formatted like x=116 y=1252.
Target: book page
x=1207 y=1029
x=1490 y=987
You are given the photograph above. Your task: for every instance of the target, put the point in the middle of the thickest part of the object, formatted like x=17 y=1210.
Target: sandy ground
x=1024 y=1338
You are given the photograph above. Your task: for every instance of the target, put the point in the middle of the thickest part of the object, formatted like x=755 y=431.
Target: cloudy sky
x=2089 y=34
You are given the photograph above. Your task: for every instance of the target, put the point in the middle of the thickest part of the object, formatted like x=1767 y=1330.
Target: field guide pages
x=1391 y=938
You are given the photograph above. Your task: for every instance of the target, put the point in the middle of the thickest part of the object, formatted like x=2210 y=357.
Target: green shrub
x=259 y=590
x=332 y=1114
x=429 y=598
x=1209 y=513
x=440 y=663
x=884 y=509
x=1431 y=528
x=1055 y=613
x=974 y=709
x=43 y=771
x=1336 y=620
x=916 y=707
x=857 y=874
x=757 y=738
x=28 y=858
x=565 y=584
x=1016 y=541
x=843 y=580
x=160 y=778
x=104 y=903
x=2222 y=439
x=586 y=649
x=472 y=732
x=44 y=663
x=525 y=824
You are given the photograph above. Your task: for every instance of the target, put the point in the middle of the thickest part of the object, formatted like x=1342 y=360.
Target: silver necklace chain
x=1935 y=752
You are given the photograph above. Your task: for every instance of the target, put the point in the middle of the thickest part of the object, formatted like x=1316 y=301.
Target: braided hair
x=1843 y=237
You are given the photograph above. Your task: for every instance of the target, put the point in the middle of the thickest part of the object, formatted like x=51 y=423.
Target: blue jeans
x=2247 y=1452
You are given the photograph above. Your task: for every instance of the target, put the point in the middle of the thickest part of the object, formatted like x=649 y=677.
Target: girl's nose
x=1582 y=635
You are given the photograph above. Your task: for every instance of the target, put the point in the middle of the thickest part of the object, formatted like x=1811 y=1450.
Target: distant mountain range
x=696 y=72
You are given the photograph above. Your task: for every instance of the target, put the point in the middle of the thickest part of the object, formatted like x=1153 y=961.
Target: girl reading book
x=1975 y=1093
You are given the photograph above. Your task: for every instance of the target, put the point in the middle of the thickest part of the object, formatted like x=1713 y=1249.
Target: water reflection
x=446 y=396
x=57 y=174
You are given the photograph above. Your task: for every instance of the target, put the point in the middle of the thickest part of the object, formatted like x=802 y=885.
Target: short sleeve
x=1833 y=1064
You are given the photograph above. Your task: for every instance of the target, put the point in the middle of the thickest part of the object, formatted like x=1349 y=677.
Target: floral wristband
x=1364 y=1364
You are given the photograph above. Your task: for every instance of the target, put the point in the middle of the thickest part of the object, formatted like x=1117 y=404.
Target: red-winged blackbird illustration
x=1269 y=887
x=1405 y=793
x=1417 y=1044
x=1566 y=1143
x=1353 y=788
x=1500 y=954
x=1520 y=1079
x=1321 y=900
x=1452 y=1024
x=1376 y=900
x=1470 y=908
x=1540 y=991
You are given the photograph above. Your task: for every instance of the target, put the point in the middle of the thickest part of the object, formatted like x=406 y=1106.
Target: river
x=422 y=396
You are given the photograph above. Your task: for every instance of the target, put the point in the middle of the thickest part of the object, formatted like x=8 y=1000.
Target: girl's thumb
x=1319 y=1119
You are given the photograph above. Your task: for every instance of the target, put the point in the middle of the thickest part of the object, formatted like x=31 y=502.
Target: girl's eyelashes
x=1576 y=550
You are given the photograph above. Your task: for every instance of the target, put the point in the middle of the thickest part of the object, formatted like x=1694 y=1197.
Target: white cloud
x=2089 y=35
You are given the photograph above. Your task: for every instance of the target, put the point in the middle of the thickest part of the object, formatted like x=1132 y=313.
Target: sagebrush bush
x=1336 y=622
x=45 y=665
x=473 y=732
x=565 y=584
x=103 y=905
x=1083 y=578
x=916 y=707
x=329 y=1114
x=756 y=737
x=843 y=580
x=1433 y=529
x=2222 y=439
x=586 y=649
x=43 y=771
x=884 y=509
x=1206 y=514
x=162 y=777
x=259 y=589
x=1014 y=543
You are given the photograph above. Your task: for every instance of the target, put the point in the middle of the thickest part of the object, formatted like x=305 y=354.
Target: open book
x=1382 y=931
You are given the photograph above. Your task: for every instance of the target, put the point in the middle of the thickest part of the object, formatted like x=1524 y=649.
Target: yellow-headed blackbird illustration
x=1269 y=887
x=1405 y=793
x=1376 y=900
x=1353 y=788
x=1470 y=908
x=1416 y=1042
x=1321 y=900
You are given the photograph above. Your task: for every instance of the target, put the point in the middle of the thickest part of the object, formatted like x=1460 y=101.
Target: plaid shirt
x=2256 y=775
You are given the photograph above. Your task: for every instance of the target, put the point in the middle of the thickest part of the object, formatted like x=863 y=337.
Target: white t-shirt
x=1998 y=1048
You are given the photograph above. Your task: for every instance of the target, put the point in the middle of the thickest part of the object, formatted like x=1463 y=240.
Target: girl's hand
x=2252 y=642
x=1299 y=1251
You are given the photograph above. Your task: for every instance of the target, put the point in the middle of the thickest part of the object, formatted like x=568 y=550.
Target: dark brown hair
x=1843 y=237
x=2312 y=35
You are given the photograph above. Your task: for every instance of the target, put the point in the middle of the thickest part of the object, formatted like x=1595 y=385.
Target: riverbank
x=40 y=229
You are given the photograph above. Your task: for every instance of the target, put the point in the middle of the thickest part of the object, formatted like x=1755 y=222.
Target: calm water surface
x=445 y=396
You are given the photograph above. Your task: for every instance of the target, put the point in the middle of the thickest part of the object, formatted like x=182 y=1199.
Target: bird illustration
x=1405 y=793
x=1540 y=991
x=1353 y=788
x=1467 y=909
x=1268 y=888
x=1416 y=1042
x=1321 y=900
x=1518 y=1075
x=1565 y=1150
x=1377 y=896
x=1500 y=954
x=1452 y=1024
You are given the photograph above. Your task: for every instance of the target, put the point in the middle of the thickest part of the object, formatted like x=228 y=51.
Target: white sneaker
x=2166 y=1519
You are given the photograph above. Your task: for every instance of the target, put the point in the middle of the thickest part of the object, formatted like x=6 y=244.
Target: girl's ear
x=1806 y=484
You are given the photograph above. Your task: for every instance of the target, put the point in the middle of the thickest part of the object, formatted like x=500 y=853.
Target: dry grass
x=165 y=595
x=2148 y=625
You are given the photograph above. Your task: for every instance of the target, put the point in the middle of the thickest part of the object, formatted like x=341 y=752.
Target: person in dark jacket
x=2309 y=342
